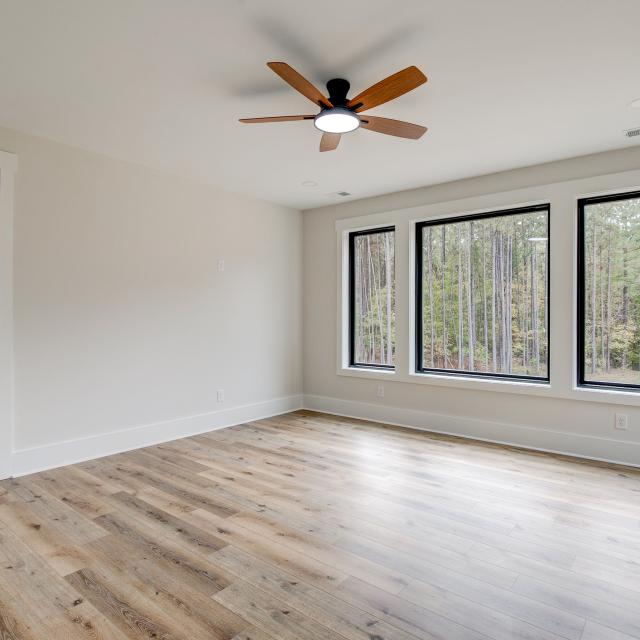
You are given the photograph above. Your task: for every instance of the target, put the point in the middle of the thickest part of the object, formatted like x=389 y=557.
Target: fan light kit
x=337 y=120
x=339 y=114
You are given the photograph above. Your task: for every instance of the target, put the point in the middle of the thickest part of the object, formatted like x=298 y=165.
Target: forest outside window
x=609 y=292
x=372 y=298
x=482 y=295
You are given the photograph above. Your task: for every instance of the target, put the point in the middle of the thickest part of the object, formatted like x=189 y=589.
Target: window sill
x=623 y=396
x=535 y=387
x=517 y=387
x=483 y=379
x=366 y=372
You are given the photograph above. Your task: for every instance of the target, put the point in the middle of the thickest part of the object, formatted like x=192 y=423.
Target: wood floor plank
x=37 y=602
x=618 y=618
x=304 y=566
x=272 y=614
x=353 y=564
x=418 y=562
x=133 y=622
x=12 y=626
x=324 y=608
x=599 y=590
x=76 y=528
x=594 y=631
x=43 y=536
x=149 y=579
x=441 y=614
x=192 y=567
x=253 y=634
x=309 y=526
x=199 y=496
x=549 y=616
x=67 y=486
x=194 y=537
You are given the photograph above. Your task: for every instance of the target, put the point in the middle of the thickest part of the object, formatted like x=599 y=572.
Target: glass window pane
x=484 y=295
x=373 y=298
x=611 y=291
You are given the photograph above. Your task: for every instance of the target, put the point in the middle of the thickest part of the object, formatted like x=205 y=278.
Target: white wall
x=122 y=320
x=8 y=165
x=124 y=328
x=558 y=418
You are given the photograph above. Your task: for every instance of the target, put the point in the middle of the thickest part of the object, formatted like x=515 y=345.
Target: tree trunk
x=509 y=318
x=484 y=301
x=525 y=298
x=593 y=302
x=388 y=285
x=460 y=302
x=625 y=300
x=430 y=263
x=493 y=300
x=534 y=307
x=444 y=297
x=471 y=322
x=608 y=319
x=603 y=317
x=501 y=304
x=378 y=306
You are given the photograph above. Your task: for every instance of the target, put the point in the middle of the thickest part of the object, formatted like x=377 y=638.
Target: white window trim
x=562 y=198
x=343 y=306
x=8 y=168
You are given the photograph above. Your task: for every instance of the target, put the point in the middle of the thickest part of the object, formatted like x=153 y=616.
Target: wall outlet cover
x=621 y=421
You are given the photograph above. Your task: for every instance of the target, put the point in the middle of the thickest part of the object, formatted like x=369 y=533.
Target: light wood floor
x=317 y=527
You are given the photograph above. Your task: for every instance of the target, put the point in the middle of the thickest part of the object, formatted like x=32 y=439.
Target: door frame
x=8 y=168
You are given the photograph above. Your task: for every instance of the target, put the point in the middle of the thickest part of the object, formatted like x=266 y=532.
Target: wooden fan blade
x=276 y=119
x=299 y=83
x=388 y=89
x=329 y=141
x=393 y=127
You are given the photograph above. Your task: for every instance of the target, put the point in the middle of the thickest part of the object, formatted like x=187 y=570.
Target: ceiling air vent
x=632 y=133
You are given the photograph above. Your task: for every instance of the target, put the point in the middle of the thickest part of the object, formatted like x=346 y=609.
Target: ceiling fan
x=339 y=114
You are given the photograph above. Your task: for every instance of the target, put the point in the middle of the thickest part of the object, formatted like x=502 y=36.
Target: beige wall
x=125 y=329
x=122 y=319
x=559 y=418
x=8 y=163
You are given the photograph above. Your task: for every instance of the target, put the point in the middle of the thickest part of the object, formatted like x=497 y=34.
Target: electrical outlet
x=220 y=395
x=380 y=391
x=220 y=265
x=621 y=421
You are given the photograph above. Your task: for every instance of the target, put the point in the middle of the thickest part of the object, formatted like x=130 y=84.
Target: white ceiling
x=162 y=83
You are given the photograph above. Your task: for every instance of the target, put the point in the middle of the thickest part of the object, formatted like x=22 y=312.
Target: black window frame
x=352 y=296
x=580 y=294
x=418 y=260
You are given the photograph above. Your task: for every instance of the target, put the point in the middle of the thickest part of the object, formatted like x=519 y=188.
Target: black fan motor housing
x=338 y=89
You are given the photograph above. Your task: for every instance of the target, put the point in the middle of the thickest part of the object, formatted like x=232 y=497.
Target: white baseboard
x=59 y=454
x=549 y=440
x=25 y=461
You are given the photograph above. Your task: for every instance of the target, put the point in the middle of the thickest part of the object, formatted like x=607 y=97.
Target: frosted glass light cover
x=337 y=120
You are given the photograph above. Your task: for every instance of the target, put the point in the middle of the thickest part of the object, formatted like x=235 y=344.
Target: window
x=609 y=291
x=482 y=294
x=372 y=298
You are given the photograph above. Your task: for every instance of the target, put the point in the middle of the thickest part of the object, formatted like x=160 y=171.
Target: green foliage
x=612 y=291
x=485 y=283
x=374 y=298
x=485 y=295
